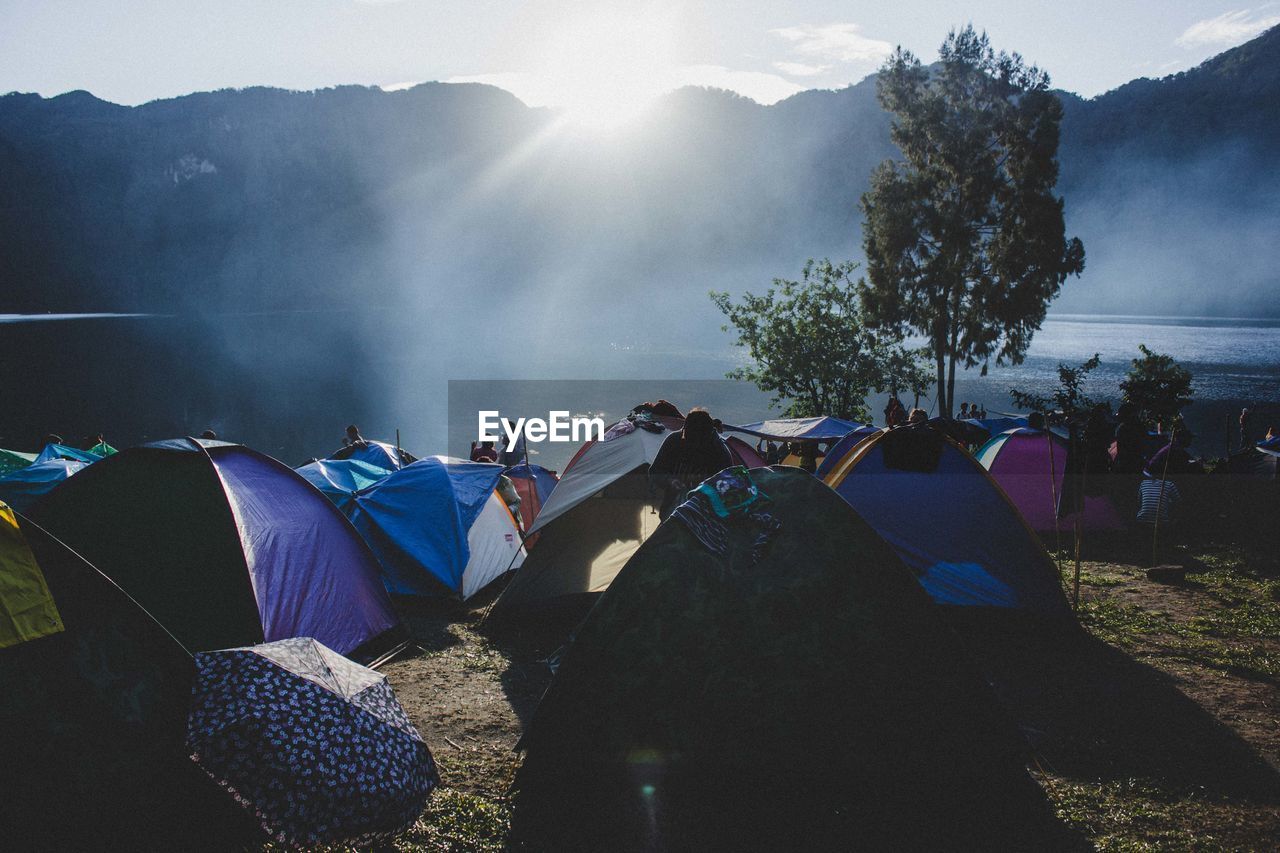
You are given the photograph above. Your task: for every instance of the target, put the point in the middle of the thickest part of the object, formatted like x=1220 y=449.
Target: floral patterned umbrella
x=316 y=746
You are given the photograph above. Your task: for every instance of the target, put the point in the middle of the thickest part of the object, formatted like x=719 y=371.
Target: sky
x=598 y=60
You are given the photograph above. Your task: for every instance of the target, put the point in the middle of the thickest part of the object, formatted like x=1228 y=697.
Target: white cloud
x=1229 y=28
x=800 y=69
x=835 y=43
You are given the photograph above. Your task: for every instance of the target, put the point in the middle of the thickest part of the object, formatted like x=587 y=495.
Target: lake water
x=289 y=383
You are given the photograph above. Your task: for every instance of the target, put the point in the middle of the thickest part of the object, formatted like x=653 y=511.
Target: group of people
x=896 y=414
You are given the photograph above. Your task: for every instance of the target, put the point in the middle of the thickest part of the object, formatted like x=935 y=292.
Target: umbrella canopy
x=22 y=488
x=316 y=746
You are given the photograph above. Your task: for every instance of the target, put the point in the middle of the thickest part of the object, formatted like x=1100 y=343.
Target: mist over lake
x=283 y=383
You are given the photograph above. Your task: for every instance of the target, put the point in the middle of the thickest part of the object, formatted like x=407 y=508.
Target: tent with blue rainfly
x=437 y=526
x=843 y=446
x=378 y=453
x=1030 y=465
x=949 y=522
x=341 y=479
x=227 y=547
x=22 y=488
x=64 y=451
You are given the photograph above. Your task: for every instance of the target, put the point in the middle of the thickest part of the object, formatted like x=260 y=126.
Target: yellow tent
x=27 y=611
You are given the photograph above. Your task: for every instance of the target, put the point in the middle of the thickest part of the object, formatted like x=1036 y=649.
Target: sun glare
x=603 y=68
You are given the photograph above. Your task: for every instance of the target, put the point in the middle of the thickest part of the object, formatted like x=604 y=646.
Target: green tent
x=13 y=460
x=746 y=687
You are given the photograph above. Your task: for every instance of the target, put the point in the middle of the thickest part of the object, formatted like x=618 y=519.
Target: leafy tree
x=965 y=240
x=1067 y=398
x=1157 y=386
x=811 y=346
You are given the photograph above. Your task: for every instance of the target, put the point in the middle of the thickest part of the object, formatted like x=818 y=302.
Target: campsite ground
x=1156 y=728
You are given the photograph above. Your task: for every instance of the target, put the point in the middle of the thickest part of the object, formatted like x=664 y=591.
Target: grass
x=455 y=822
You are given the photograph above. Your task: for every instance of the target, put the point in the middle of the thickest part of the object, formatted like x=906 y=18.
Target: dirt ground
x=1157 y=726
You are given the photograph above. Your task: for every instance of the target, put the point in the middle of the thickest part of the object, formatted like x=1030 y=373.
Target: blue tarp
x=22 y=488
x=341 y=479
x=798 y=429
x=955 y=529
x=418 y=517
x=62 y=451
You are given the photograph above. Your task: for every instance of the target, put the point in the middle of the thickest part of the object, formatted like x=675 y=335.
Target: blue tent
x=340 y=479
x=436 y=526
x=948 y=521
x=22 y=488
x=378 y=453
x=843 y=446
x=799 y=429
x=63 y=451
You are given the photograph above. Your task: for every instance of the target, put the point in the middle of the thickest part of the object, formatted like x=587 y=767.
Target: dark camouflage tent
x=773 y=680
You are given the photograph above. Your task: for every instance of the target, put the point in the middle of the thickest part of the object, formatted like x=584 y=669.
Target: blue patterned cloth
x=316 y=746
x=729 y=498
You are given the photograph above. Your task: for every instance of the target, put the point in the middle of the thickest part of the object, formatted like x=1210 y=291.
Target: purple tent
x=226 y=547
x=1020 y=461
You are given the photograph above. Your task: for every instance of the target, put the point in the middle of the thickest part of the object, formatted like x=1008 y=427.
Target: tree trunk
x=940 y=358
x=951 y=384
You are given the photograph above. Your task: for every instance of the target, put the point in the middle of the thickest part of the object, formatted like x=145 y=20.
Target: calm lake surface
x=289 y=383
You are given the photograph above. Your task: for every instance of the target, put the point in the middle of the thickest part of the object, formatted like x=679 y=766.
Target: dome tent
x=436 y=526
x=724 y=694
x=94 y=713
x=227 y=547
x=949 y=521
x=1021 y=460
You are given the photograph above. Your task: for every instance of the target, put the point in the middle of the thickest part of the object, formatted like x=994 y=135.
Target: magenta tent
x=1020 y=460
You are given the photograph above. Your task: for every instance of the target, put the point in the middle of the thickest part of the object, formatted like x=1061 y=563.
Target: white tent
x=597 y=516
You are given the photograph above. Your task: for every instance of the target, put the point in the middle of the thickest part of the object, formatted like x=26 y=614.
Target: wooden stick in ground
x=1053 y=492
x=1164 y=478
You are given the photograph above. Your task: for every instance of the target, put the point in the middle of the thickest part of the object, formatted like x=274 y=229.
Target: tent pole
x=1053 y=492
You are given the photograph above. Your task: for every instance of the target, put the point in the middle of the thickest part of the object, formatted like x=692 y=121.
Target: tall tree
x=965 y=239
x=811 y=346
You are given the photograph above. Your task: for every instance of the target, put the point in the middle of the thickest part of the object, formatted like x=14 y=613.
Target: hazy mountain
x=450 y=230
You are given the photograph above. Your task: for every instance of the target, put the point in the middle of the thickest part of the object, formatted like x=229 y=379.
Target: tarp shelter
x=598 y=514
x=436 y=526
x=949 y=521
x=341 y=479
x=787 y=686
x=22 y=488
x=12 y=460
x=63 y=451
x=315 y=746
x=1030 y=465
x=799 y=429
x=378 y=453
x=226 y=546
x=103 y=449
x=93 y=715
x=534 y=484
